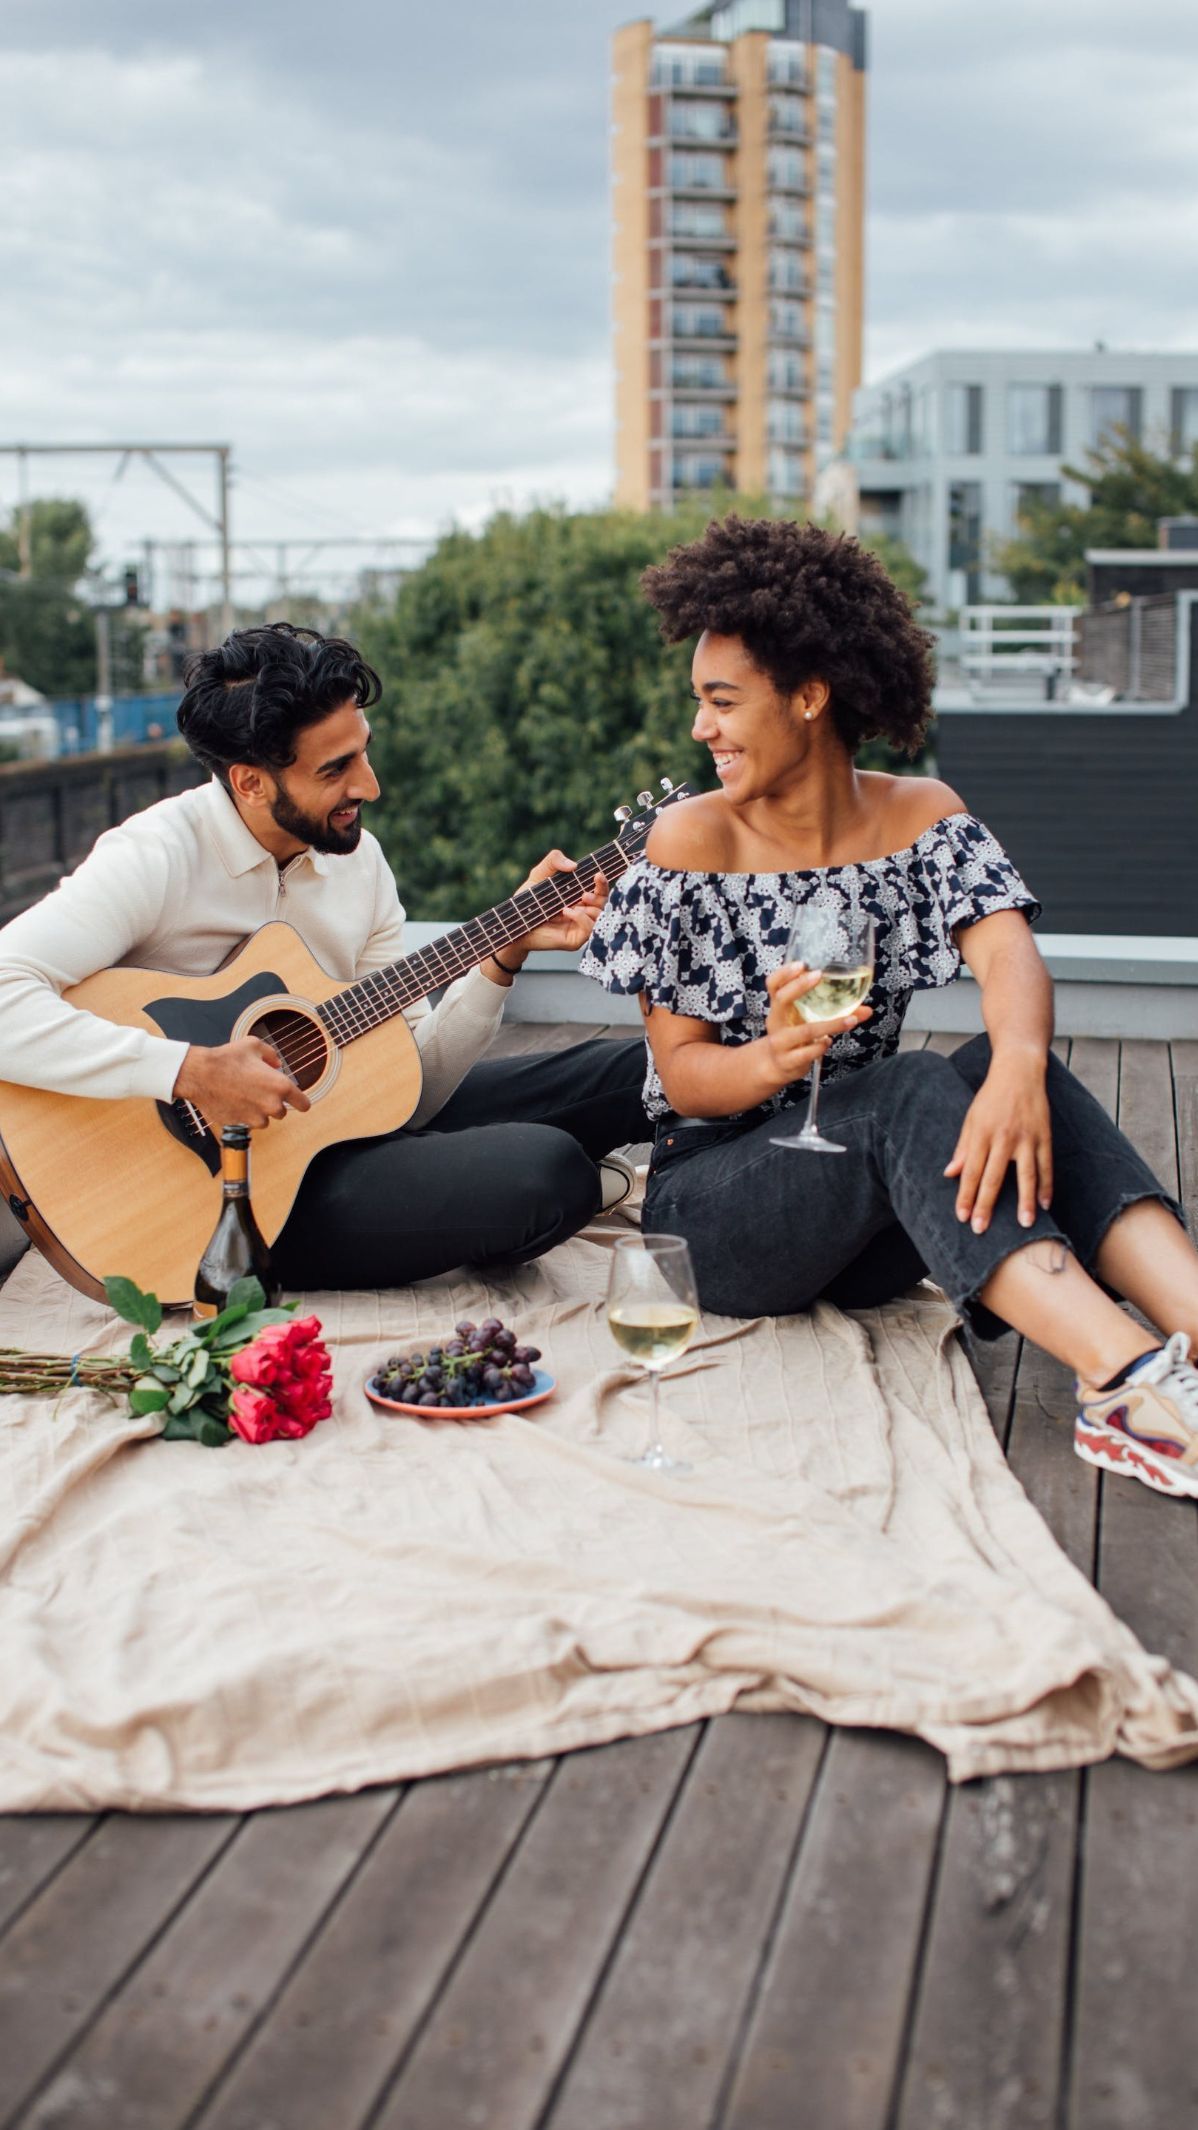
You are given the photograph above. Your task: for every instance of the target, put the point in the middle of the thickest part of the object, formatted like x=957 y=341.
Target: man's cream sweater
x=177 y=888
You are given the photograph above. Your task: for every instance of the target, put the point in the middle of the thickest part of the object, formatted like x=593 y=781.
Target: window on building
x=787 y=115
x=1034 y=421
x=1025 y=495
x=737 y=16
x=965 y=525
x=699 y=122
x=787 y=170
x=1114 y=407
x=692 y=218
x=689 y=269
x=786 y=372
x=786 y=272
x=825 y=75
x=697 y=373
x=963 y=420
x=788 y=221
x=698 y=322
x=677 y=67
x=1183 y=419
x=697 y=421
x=699 y=469
x=786 y=64
x=787 y=322
x=825 y=228
x=697 y=173
x=785 y=422
x=785 y=473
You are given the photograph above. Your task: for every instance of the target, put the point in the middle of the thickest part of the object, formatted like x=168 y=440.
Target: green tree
x=527 y=692
x=47 y=634
x=1128 y=489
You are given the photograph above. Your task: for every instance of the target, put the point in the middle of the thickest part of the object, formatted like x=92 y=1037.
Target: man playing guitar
x=499 y=1160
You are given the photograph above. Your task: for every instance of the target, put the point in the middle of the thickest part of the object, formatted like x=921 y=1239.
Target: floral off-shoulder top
x=702 y=944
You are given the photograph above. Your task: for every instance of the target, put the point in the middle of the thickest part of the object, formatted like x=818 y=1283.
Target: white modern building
x=944 y=454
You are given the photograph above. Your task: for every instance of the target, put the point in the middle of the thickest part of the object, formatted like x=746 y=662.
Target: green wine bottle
x=238 y=1247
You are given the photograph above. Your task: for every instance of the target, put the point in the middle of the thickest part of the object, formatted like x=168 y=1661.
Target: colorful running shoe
x=1147 y=1428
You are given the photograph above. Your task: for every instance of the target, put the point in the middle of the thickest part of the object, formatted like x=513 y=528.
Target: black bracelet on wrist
x=503 y=965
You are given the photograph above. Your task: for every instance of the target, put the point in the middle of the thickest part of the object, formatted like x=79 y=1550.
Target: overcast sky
x=368 y=243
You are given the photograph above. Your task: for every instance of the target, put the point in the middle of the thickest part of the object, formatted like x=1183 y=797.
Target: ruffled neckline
x=815 y=872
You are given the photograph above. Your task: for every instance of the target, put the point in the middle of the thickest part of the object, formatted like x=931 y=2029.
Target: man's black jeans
x=772 y=1230
x=503 y=1172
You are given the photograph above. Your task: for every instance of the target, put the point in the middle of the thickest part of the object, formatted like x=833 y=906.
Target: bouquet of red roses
x=259 y=1373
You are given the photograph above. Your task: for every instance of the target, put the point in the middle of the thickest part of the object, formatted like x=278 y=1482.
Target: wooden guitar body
x=130 y=1187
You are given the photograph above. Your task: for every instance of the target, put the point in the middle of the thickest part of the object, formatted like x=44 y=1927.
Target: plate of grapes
x=478 y=1371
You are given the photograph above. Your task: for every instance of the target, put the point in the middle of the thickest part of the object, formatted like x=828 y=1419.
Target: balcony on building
x=701 y=470
x=693 y=273
x=687 y=427
x=787 y=332
x=693 y=73
x=709 y=328
x=703 y=378
x=787 y=122
x=705 y=124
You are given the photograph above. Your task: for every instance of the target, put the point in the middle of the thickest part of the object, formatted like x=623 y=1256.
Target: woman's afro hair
x=807 y=605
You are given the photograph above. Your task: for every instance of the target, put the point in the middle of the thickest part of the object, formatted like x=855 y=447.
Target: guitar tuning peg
x=644 y=798
x=667 y=783
x=623 y=814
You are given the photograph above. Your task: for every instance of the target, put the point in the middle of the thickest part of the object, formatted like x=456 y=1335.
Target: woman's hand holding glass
x=795 y=1045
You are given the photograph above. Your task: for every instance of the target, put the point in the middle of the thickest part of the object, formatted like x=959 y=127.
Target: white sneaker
x=619 y=1180
x=1147 y=1427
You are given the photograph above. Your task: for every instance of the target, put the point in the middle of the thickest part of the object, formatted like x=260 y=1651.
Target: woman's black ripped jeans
x=772 y=1230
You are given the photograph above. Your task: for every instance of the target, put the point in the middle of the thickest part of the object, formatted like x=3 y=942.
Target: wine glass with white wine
x=841 y=946
x=652 y=1312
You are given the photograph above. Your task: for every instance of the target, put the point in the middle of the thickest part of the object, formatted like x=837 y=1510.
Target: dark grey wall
x=52 y=812
x=1100 y=814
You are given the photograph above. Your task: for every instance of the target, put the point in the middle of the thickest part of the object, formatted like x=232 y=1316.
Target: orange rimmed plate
x=543 y=1386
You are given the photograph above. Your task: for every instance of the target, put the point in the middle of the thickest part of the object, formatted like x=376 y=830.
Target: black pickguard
x=209 y=1021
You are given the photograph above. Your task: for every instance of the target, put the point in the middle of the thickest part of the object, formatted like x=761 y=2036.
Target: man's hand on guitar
x=575 y=925
x=238 y=1083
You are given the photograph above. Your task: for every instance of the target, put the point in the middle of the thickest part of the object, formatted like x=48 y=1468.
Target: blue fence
x=132 y=719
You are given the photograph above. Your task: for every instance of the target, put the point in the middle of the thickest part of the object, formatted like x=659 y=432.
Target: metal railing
x=1131 y=647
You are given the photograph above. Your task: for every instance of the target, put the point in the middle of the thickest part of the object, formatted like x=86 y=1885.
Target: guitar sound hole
x=300 y=1042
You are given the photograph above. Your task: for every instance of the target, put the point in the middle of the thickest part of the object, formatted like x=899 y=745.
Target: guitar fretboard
x=385 y=992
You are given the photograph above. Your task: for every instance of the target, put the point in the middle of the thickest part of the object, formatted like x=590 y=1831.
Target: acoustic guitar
x=127 y=1186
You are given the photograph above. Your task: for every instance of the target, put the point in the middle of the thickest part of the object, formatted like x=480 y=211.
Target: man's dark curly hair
x=246 y=700
x=807 y=605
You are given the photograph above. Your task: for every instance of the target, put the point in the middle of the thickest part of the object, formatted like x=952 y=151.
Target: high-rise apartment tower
x=738 y=201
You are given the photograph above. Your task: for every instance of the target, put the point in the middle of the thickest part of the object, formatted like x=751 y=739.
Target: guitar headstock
x=634 y=827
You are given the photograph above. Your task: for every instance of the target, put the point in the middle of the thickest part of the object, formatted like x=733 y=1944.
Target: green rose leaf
x=178 y=1429
x=147 y=1396
x=247 y=1290
x=197 y=1368
x=212 y=1433
x=210 y=1332
x=181 y=1398
x=130 y=1303
x=250 y=1326
x=141 y=1353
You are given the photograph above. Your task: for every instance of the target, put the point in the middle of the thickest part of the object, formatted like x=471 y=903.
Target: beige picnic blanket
x=241 y=1627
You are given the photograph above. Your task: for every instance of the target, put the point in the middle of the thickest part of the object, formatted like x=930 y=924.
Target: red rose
x=289 y=1361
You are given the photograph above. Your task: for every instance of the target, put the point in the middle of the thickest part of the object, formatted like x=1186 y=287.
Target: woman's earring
x=808 y=714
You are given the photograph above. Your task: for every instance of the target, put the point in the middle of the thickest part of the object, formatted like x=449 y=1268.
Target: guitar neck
x=385 y=992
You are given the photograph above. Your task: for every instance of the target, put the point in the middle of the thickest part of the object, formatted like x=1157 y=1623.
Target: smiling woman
x=994 y=1169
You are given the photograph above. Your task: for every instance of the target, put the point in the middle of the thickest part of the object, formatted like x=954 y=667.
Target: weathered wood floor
x=757 y=1924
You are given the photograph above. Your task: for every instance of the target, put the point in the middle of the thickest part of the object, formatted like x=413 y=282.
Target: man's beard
x=313 y=829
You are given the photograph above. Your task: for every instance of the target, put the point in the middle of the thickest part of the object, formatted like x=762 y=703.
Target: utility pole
x=103 y=680
x=222 y=512
x=24 y=525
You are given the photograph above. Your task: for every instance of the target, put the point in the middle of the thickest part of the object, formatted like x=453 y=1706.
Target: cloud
x=371 y=247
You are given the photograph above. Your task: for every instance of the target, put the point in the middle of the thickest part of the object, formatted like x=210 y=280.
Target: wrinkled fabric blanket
x=242 y=1627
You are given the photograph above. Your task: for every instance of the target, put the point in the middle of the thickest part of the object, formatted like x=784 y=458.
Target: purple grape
x=523 y=1375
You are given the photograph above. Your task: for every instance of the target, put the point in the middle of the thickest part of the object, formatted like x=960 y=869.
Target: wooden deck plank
x=500 y=2032
x=1185 y=1103
x=166 y=2033
x=988 y=2033
x=826 y=2032
x=358 y=1997
x=31 y=1851
x=75 y=1943
x=664 y=2030
x=1132 y=2066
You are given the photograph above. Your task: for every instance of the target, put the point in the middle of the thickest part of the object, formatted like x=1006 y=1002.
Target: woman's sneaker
x=1147 y=1427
